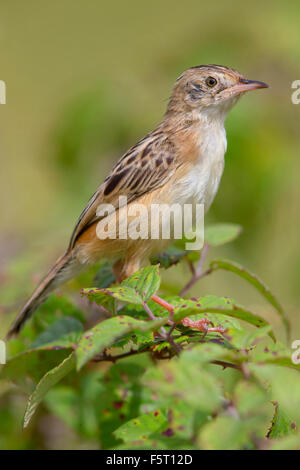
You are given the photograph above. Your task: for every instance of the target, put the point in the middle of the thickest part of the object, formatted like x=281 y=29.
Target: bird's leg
x=163 y=303
x=201 y=325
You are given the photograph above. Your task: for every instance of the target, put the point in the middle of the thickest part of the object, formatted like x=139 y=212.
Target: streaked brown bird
x=181 y=161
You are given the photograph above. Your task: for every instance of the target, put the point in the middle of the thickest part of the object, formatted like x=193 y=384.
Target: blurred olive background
x=87 y=79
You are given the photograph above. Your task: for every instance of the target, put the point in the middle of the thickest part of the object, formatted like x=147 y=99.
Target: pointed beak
x=247 y=85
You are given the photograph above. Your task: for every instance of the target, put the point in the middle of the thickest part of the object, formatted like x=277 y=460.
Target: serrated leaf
x=236 y=268
x=145 y=282
x=219 y=234
x=107 y=332
x=49 y=380
x=137 y=289
x=143 y=426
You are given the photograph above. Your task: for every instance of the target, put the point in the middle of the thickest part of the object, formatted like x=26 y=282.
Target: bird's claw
x=202 y=325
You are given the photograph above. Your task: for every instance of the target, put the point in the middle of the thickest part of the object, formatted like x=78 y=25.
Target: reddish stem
x=163 y=303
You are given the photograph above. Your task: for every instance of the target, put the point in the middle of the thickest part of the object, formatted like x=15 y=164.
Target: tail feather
x=62 y=271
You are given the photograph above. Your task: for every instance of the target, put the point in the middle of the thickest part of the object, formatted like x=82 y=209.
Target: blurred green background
x=87 y=79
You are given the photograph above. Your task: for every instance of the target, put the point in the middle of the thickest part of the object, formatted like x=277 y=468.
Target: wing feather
x=145 y=167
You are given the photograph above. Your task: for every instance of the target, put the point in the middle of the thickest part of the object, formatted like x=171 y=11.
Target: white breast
x=202 y=182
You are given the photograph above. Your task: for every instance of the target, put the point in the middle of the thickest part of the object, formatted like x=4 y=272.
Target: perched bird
x=181 y=161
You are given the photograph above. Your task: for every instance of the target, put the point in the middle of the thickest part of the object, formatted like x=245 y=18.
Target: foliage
x=141 y=376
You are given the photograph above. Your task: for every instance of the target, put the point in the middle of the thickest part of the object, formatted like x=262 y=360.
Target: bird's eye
x=211 y=81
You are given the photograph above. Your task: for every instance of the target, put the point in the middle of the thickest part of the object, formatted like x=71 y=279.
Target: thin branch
x=225 y=364
x=110 y=358
x=198 y=272
x=153 y=317
x=164 y=334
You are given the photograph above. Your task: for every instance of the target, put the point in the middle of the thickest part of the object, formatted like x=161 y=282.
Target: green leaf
x=62 y=333
x=49 y=380
x=224 y=433
x=221 y=305
x=245 y=340
x=32 y=364
x=137 y=289
x=107 y=332
x=187 y=380
x=170 y=257
x=219 y=234
x=145 y=282
x=276 y=354
x=143 y=426
x=281 y=425
x=135 y=337
x=284 y=386
x=249 y=398
x=236 y=268
x=104 y=296
x=291 y=442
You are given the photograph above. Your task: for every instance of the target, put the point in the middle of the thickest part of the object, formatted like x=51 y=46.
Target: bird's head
x=209 y=89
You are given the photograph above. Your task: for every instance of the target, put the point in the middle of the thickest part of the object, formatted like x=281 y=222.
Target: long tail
x=65 y=268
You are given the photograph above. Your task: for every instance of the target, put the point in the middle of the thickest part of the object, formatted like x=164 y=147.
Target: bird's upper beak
x=247 y=85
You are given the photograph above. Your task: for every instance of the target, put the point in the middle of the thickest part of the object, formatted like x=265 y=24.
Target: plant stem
x=109 y=358
x=166 y=336
x=198 y=272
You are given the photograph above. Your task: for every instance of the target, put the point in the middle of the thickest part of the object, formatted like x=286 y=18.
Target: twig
x=198 y=273
x=227 y=364
x=164 y=334
x=109 y=358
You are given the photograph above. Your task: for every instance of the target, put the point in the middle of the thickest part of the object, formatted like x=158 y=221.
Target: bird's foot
x=202 y=325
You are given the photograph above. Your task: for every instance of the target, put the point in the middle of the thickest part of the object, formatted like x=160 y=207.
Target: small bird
x=181 y=161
